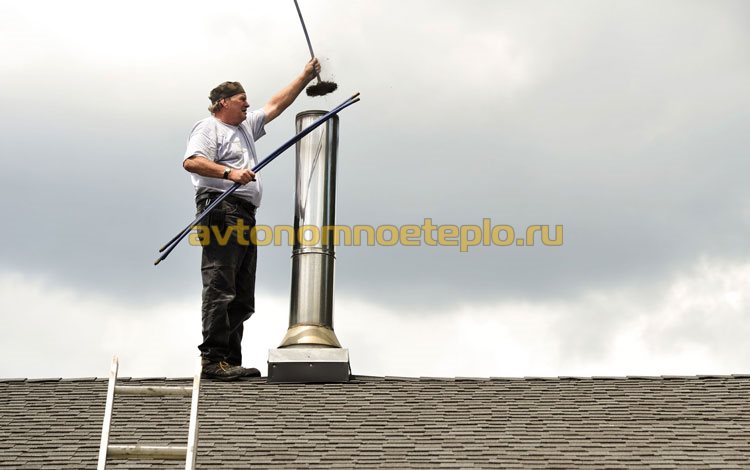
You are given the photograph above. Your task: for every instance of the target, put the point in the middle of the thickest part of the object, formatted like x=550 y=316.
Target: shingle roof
x=625 y=422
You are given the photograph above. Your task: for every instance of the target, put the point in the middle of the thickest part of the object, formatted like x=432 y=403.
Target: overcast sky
x=625 y=122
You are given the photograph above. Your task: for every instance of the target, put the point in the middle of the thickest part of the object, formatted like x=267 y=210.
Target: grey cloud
x=626 y=124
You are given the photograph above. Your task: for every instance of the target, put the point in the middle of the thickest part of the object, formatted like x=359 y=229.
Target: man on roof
x=221 y=152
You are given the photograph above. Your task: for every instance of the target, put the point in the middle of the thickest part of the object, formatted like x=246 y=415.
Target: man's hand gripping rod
x=171 y=244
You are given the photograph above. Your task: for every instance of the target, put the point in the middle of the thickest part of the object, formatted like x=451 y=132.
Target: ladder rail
x=192 y=443
x=107 y=423
x=187 y=453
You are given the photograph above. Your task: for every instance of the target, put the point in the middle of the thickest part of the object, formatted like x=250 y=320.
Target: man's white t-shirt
x=232 y=146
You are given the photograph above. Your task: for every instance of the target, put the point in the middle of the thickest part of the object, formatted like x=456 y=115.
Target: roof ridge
x=412 y=379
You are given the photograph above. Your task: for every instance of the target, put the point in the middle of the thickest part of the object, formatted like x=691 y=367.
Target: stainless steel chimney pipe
x=310 y=351
x=311 y=308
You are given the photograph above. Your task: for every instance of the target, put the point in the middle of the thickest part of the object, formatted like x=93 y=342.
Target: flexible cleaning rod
x=169 y=246
x=321 y=88
x=307 y=36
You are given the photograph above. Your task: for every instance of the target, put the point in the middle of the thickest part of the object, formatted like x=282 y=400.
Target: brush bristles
x=321 y=88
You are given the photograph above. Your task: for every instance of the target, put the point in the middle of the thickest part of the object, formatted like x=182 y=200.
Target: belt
x=205 y=195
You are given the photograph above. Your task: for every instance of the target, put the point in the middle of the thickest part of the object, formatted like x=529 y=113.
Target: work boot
x=219 y=370
x=247 y=371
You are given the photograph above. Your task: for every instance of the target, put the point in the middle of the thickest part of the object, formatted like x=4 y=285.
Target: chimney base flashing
x=308 y=365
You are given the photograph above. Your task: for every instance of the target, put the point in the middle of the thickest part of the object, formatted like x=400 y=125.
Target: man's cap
x=225 y=90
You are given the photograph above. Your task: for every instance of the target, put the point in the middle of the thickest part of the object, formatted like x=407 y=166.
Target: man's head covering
x=225 y=90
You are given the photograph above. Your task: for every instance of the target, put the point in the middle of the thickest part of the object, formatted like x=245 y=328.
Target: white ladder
x=188 y=452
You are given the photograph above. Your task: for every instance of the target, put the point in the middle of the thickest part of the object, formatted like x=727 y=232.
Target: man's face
x=235 y=108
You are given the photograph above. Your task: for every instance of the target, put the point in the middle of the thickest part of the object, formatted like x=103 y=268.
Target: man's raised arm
x=281 y=100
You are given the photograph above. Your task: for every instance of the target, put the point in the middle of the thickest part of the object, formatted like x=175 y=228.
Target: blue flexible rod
x=264 y=162
x=169 y=246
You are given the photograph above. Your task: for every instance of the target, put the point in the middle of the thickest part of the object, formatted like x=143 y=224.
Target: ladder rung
x=153 y=391
x=186 y=453
x=147 y=452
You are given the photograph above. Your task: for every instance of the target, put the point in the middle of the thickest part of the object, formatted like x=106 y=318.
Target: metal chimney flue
x=310 y=351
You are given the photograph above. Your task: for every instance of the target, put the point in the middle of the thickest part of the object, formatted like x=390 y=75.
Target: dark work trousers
x=228 y=271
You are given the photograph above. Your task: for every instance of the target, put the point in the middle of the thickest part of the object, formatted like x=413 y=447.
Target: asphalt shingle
x=613 y=422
